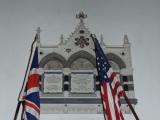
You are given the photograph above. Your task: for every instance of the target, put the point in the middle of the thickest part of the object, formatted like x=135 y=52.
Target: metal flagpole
x=20 y=100
x=17 y=110
x=131 y=107
x=33 y=47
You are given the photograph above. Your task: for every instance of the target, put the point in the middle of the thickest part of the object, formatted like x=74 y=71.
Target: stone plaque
x=52 y=83
x=82 y=83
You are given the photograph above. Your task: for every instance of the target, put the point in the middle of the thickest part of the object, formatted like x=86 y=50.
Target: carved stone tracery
x=82 y=41
x=53 y=65
x=82 y=64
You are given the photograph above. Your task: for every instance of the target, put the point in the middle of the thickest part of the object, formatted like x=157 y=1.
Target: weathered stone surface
x=53 y=83
x=82 y=83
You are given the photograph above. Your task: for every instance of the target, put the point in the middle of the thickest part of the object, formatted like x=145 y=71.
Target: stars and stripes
x=111 y=89
x=31 y=100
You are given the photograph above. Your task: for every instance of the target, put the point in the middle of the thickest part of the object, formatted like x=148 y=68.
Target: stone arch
x=81 y=54
x=115 y=66
x=115 y=58
x=53 y=57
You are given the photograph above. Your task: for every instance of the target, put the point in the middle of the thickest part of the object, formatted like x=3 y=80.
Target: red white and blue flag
x=31 y=99
x=111 y=89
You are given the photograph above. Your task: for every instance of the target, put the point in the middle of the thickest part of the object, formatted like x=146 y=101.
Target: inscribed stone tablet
x=52 y=83
x=82 y=83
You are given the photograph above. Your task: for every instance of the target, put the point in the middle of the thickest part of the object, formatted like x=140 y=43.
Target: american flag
x=31 y=100
x=111 y=89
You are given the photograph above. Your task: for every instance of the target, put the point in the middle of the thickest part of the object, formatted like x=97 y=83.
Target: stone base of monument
x=71 y=109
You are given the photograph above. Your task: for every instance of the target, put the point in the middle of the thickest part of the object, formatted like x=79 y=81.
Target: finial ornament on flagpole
x=93 y=36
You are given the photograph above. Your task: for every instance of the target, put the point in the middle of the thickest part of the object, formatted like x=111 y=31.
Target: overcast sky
x=139 y=19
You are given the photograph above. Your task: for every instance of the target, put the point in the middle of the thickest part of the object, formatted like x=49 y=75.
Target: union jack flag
x=111 y=89
x=31 y=99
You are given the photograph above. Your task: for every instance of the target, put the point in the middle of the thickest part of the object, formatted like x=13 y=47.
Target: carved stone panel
x=82 y=64
x=53 y=65
x=52 y=83
x=82 y=83
x=82 y=41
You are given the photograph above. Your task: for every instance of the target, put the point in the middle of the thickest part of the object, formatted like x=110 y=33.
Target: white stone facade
x=69 y=83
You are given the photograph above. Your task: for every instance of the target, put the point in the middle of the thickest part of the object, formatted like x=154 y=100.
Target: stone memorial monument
x=69 y=82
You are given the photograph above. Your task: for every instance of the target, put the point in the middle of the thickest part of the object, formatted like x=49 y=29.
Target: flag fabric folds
x=111 y=89
x=31 y=99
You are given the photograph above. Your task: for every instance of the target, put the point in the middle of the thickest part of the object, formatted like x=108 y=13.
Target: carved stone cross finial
x=81 y=15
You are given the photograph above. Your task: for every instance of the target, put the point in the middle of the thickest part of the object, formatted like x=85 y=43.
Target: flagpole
x=24 y=83
x=17 y=110
x=27 y=69
x=93 y=36
x=131 y=107
x=26 y=75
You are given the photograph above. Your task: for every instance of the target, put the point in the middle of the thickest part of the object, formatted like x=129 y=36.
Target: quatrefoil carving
x=82 y=41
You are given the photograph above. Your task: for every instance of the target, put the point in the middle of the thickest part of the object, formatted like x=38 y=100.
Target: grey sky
x=139 y=19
